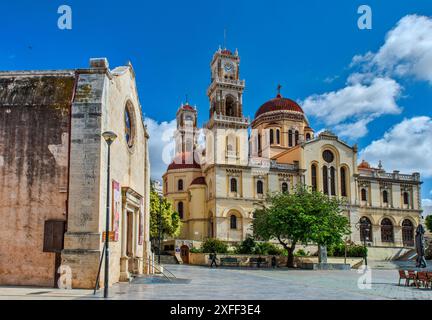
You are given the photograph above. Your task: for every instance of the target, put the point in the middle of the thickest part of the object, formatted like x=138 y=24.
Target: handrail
x=154 y=265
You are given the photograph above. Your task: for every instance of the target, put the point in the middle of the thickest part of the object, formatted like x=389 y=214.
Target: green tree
x=214 y=246
x=170 y=219
x=302 y=217
x=428 y=222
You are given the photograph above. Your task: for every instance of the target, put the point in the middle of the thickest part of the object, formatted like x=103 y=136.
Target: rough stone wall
x=34 y=127
x=83 y=239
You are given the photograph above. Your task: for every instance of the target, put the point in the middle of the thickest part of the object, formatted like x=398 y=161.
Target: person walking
x=273 y=262
x=213 y=258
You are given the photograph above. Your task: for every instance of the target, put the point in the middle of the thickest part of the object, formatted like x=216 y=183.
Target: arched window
x=363 y=194
x=277 y=136
x=407 y=233
x=233 y=222
x=308 y=136
x=343 y=182
x=325 y=180
x=233 y=185
x=260 y=187
x=333 y=181
x=297 y=137
x=271 y=136
x=314 y=177
x=290 y=138
x=180 y=209
x=180 y=185
x=284 y=187
x=259 y=142
x=406 y=198
x=385 y=196
x=365 y=229
x=387 y=230
x=229 y=103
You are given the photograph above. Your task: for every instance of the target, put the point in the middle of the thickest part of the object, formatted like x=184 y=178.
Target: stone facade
x=60 y=161
x=221 y=184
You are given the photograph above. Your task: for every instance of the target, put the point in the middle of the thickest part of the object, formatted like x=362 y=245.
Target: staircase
x=410 y=255
x=167 y=259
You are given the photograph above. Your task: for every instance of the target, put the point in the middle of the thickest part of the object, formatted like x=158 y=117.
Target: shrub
x=247 y=246
x=267 y=248
x=195 y=250
x=214 y=245
x=353 y=250
x=301 y=253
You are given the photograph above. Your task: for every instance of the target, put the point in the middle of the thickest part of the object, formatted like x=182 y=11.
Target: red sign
x=111 y=236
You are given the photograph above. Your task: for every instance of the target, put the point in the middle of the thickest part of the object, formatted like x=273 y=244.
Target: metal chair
x=402 y=275
x=412 y=275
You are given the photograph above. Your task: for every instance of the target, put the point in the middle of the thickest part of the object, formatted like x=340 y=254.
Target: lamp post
x=159 y=229
x=109 y=137
x=362 y=223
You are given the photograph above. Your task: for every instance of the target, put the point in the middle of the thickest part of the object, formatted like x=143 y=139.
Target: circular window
x=328 y=156
x=129 y=125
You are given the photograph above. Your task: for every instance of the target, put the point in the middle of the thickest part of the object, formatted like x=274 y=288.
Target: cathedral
x=215 y=188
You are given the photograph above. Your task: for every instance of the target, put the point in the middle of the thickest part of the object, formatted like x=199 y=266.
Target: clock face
x=228 y=67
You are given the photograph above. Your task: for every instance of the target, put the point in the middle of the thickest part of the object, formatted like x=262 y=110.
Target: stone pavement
x=237 y=284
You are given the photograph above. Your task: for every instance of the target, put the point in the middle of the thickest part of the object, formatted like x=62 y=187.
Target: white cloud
x=405 y=147
x=161 y=145
x=407 y=50
x=350 y=109
x=427 y=207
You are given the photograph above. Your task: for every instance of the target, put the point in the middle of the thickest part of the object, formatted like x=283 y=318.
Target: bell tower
x=186 y=133
x=227 y=136
x=226 y=89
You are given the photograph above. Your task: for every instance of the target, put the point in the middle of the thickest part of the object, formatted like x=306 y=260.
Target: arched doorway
x=407 y=233
x=387 y=234
x=184 y=254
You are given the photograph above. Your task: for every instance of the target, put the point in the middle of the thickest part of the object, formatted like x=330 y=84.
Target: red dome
x=199 y=180
x=187 y=107
x=227 y=52
x=184 y=161
x=277 y=104
x=364 y=165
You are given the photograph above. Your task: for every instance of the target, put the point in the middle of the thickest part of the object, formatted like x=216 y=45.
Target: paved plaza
x=201 y=283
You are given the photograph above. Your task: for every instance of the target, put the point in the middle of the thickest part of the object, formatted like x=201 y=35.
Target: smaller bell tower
x=186 y=133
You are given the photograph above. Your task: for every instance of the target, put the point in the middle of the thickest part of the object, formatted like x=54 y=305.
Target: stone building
x=215 y=189
x=53 y=175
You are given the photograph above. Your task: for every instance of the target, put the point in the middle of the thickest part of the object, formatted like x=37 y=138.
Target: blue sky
x=307 y=46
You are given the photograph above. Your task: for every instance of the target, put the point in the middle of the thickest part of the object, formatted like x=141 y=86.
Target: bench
x=229 y=261
x=258 y=262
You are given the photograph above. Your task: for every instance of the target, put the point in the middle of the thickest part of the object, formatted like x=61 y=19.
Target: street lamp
x=159 y=228
x=109 y=137
x=364 y=224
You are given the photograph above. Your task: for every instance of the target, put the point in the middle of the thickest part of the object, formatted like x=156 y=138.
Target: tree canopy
x=428 y=222
x=302 y=217
x=170 y=221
